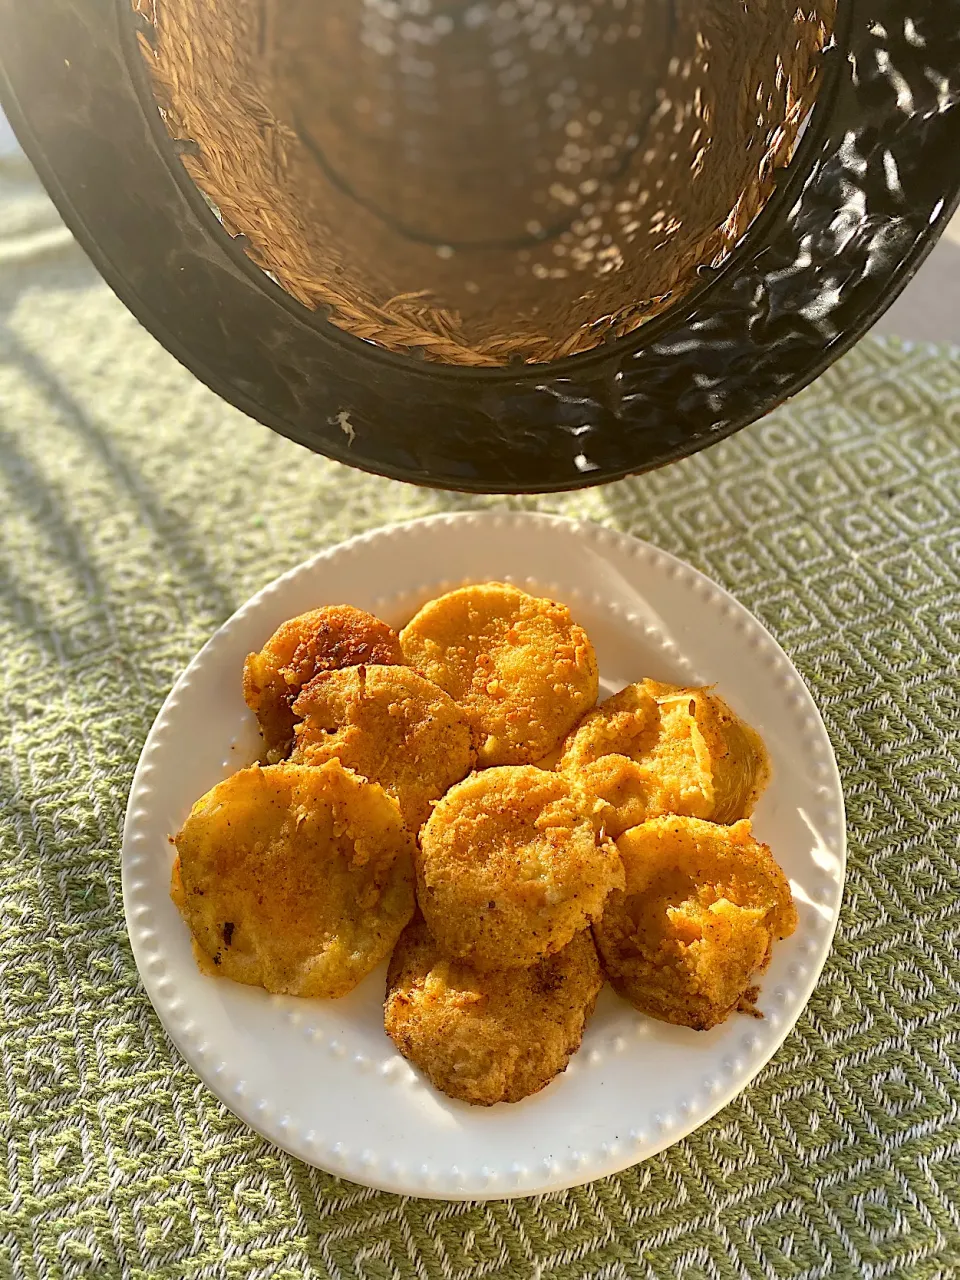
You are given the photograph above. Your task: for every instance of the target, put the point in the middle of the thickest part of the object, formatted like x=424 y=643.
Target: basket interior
x=479 y=183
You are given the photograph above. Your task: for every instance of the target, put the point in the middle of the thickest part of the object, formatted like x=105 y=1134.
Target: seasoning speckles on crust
x=488 y=1037
x=657 y=748
x=512 y=864
x=696 y=921
x=322 y=640
x=295 y=879
x=521 y=664
x=390 y=725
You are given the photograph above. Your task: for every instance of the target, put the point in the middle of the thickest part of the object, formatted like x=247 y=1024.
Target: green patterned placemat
x=138 y=511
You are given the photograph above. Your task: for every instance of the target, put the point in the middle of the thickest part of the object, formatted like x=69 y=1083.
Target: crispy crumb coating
x=519 y=663
x=322 y=640
x=295 y=879
x=702 y=907
x=512 y=865
x=390 y=725
x=487 y=1037
x=656 y=748
x=609 y=751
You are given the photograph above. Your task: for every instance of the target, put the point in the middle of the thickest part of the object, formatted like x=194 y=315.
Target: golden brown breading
x=702 y=737
x=702 y=906
x=488 y=1037
x=511 y=866
x=521 y=664
x=609 y=753
x=390 y=725
x=295 y=879
x=656 y=748
x=203 y=961
x=321 y=640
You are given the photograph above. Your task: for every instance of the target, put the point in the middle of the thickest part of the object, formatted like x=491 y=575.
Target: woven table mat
x=138 y=511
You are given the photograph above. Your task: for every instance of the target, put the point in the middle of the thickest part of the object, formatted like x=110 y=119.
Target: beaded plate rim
x=146 y=830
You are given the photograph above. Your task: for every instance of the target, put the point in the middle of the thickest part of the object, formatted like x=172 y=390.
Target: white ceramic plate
x=320 y=1078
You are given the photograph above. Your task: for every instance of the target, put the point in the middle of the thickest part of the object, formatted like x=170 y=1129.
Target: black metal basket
x=838 y=233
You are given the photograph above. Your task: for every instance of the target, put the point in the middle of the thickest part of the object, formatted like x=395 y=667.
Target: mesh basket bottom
x=482 y=185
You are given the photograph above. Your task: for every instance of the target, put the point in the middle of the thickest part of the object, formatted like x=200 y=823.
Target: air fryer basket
x=483 y=183
x=513 y=246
